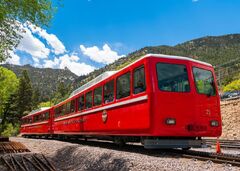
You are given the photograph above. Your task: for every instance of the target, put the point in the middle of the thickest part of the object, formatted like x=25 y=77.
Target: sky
x=85 y=35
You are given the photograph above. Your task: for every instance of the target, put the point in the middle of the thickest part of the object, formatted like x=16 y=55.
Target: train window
x=72 y=106
x=98 y=96
x=63 y=109
x=81 y=103
x=172 y=77
x=123 y=86
x=56 y=112
x=109 y=91
x=46 y=115
x=204 y=81
x=67 y=106
x=89 y=100
x=139 y=80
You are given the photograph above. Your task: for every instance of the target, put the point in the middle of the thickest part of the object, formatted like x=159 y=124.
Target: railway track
x=233 y=160
x=224 y=143
x=214 y=157
x=12 y=147
x=30 y=162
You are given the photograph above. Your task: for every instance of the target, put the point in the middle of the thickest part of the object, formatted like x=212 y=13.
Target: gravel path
x=75 y=157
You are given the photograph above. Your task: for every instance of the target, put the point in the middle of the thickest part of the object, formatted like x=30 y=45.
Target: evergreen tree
x=35 y=98
x=25 y=94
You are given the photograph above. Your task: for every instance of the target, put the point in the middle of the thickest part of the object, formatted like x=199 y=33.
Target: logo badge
x=208 y=111
x=104 y=116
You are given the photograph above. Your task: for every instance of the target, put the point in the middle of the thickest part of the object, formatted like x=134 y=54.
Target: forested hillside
x=45 y=80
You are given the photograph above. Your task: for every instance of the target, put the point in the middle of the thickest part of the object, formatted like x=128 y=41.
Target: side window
x=68 y=105
x=56 y=112
x=63 y=108
x=123 y=86
x=139 y=84
x=109 y=91
x=72 y=106
x=89 y=100
x=81 y=103
x=46 y=115
x=98 y=96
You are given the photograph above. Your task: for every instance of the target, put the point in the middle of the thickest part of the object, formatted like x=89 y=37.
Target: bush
x=10 y=130
x=234 y=85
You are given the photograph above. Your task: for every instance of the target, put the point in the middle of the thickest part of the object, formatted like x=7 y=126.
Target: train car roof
x=107 y=74
x=37 y=111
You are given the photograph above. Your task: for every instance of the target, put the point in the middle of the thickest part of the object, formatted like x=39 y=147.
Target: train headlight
x=214 y=123
x=170 y=121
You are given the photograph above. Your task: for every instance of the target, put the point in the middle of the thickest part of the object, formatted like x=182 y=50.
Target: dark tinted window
x=204 y=81
x=98 y=96
x=123 y=86
x=46 y=115
x=89 y=100
x=139 y=80
x=72 y=109
x=172 y=77
x=63 y=109
x=109 y=91
x=81 y=103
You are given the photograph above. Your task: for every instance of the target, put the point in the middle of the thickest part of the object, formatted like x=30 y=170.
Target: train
x=161 y=101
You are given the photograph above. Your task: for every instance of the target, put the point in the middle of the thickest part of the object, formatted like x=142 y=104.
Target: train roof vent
x=93 y=82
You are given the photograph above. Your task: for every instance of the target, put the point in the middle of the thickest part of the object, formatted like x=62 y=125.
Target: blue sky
x=88 y=34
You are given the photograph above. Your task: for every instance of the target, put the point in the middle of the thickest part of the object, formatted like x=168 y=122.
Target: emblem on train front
x=104 y=116
x=208 y=111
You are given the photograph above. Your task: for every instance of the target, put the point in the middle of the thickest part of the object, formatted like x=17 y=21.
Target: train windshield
x=204 y=81
x=172 y=77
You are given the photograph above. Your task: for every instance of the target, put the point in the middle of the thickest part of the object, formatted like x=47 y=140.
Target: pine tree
x=25 y=94
x=35 y=98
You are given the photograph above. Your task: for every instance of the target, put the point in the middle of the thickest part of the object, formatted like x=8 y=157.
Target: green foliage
x=10 y=130
x=35 y=98
x=25 y=93
x=45 y=104
x=44 y=79
x=62 y=92
x=8 y=84
x=14 y=12
x=234 y=85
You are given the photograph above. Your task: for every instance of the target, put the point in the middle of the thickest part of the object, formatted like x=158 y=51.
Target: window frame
x=174 y=91
x=195 y=84
x=84 y=102
x=99 y=87
x=128 y=72
x=89 y=92
x=113 y=93
x=133 y=78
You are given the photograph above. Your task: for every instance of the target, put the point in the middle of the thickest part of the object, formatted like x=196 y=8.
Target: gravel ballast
x=73 y=157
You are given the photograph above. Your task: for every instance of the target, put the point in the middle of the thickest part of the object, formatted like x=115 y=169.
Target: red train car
x=163 y=101
x=38 y=122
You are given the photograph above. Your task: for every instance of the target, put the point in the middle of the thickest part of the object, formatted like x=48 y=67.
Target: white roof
x=93 y=82
x=38 y=110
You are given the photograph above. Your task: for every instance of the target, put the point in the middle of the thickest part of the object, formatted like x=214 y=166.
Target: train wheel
x=119 y=141
x=187 y=148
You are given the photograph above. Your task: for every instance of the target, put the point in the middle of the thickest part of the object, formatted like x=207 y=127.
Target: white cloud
x=32 y=45
x=71 y=63
x=15 y=59
x=105 y=56
x=52 y=40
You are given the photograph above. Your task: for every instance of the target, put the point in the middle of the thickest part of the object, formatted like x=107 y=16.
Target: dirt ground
x=230 y=111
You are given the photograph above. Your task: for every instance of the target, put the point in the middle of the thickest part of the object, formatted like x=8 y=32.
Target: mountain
x=216 y=50
x=44 y=79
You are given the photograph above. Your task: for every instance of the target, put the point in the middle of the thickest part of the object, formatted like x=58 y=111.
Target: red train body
x=163 y=101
